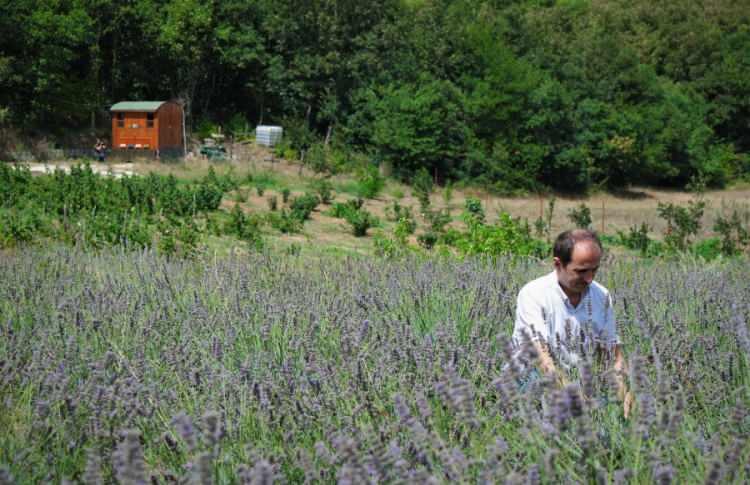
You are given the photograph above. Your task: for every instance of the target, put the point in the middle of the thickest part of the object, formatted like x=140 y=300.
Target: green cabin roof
x=147 y=106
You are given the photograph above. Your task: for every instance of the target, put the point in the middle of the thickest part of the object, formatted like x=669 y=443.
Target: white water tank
x=267 y=135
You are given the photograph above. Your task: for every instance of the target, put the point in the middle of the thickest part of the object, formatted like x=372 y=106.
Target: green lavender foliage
x=130 y=366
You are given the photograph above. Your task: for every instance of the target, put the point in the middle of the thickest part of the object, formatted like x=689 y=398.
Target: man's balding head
x=566 y=241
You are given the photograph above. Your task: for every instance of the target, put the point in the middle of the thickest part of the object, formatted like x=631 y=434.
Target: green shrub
x=422 y=188
x=404 y=228
x=316 y=157
x=15 y=181
x=178 y=237
x=20 y=224
x=273 y=203
x=285 y=193
x=188 y=234
x=167 y=243
x=473 y=211
x=450 y=237
x=507 y=236
x=438 y=220
x=682 y=222
x=207 y=197
x=100 y=229
x=369 y=182
x=386 y=247
x=341 y=209
x=707 y=249
x=427 y=240
x=636 y=238
x=83 y=206
x=734 y=235
x=284 y=222
x=237 y=221
x=243 y=226
x=396 y=211
x=134 y=232
x=225 y=182
x=303 y=206
x=324 y=189
x=580 y=216
x=361 y=221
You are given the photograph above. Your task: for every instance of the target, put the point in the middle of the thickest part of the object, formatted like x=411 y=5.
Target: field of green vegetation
x=133 y=349
x=236 y=324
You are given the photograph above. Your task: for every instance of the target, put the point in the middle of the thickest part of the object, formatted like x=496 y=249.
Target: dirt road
x=116 y=170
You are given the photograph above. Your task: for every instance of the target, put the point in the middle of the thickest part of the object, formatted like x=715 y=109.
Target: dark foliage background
x=515 y=95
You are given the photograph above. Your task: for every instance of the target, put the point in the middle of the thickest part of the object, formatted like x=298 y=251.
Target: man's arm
x=620 y=367
x=531 y=327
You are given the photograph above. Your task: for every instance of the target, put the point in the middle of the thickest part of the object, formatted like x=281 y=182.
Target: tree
x=420 y=125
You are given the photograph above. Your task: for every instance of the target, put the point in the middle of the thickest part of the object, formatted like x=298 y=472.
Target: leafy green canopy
x=514 y=95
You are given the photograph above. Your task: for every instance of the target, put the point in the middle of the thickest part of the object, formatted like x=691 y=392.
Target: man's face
x=580 y=271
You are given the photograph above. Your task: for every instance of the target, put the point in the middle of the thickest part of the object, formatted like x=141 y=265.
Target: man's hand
x=620 y=374
x=627 y=404
x=547 y=365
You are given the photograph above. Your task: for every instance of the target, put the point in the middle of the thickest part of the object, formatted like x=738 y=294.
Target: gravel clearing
x=116 y=170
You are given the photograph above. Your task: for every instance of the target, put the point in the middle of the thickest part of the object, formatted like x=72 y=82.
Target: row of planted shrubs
x=81 y=206
x=518 y=236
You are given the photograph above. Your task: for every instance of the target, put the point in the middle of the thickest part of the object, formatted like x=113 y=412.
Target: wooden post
x=541 y=207
x=328 y=135
x=184 y=130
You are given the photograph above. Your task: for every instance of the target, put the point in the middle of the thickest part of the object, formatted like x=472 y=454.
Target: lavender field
x=134 y=368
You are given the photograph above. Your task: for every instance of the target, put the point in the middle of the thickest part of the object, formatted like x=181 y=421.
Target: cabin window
x=149 y=120
x=121 y=120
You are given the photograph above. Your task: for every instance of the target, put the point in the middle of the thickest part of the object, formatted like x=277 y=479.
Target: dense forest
x=513 y=95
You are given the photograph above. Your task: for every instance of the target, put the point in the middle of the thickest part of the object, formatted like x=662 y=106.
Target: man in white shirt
x=566 y=312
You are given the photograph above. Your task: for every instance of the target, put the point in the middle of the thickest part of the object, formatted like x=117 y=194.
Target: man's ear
x=557 y=262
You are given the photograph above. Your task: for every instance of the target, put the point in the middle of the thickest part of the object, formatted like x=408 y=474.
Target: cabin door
x=138 y=131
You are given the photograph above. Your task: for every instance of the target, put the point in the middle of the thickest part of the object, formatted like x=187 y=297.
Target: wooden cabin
x=147 y=125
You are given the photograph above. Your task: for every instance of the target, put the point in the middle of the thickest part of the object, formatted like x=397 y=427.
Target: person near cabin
x=100 y=149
